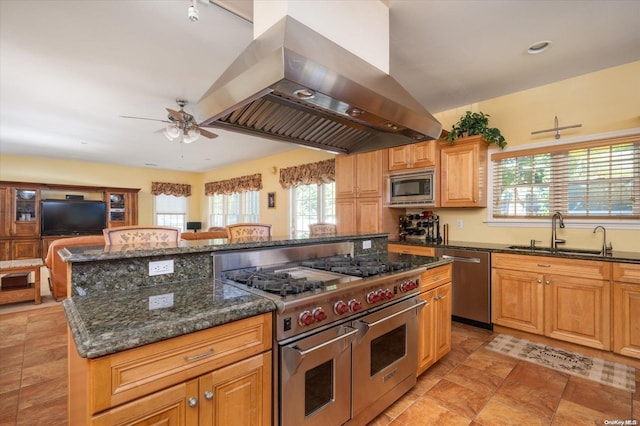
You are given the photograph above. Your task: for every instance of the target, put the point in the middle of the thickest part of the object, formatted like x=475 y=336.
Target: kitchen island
x=145 y=346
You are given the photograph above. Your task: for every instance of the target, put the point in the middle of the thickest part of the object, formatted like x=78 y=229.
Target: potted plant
x=476 y=123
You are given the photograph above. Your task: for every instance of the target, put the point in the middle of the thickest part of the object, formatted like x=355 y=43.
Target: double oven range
x=345 y=328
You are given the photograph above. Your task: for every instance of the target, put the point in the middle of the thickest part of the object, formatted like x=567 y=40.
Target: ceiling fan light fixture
x=191 y=135
x=171 y=132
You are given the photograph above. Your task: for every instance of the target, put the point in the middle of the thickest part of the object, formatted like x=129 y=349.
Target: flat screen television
x=72 y=217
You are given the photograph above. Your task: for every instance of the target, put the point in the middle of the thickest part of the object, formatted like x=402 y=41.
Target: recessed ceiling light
x=539 y=47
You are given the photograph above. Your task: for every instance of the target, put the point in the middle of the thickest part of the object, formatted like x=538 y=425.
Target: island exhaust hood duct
x=294 y=85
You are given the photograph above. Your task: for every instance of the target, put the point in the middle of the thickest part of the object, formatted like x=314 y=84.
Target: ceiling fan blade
x=176 y=115
x=143 y=118
x=207 y=134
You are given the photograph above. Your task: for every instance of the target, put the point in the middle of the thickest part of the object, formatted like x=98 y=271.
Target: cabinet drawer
x=417 y=250
x=550 y=265
x=435 y=277
x=626 y=272
x=128 y=375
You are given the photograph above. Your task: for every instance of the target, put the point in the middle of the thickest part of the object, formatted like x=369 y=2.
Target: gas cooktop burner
x=359 y=266
x=280 y=283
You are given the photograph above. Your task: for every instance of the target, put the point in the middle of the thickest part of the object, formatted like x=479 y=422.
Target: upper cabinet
x=122 y=208
x=463 y=173
x=360 y=175
x=414 y=156
x=25 y=212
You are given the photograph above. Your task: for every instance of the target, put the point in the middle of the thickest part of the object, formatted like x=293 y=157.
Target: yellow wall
x=270 y=169
x=44 y=170
x=602 y=101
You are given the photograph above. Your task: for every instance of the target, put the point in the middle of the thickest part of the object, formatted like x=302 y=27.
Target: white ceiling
x=70 y=69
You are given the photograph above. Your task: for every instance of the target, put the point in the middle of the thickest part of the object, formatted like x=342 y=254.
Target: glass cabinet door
x=26 y=212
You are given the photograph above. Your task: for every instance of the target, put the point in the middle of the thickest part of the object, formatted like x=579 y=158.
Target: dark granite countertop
x=88 y=254
x=105 y=324
x=616 y=256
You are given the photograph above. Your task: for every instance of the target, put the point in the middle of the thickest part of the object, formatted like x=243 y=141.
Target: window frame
x=243 y=206
x=543 y=222
x=322 y=213
x=185 y=214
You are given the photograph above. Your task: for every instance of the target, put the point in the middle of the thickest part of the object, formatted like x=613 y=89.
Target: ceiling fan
x=181 y=125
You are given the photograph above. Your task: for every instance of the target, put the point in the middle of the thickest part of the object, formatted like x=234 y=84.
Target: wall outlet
x=161 y=301
x=161 y=267
x=459 y=223
x=366 y=244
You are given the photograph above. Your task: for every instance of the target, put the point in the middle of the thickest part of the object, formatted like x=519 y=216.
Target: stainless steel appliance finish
x=292 y=84
x=416 y=189
x=471 y=285
x=346 y=345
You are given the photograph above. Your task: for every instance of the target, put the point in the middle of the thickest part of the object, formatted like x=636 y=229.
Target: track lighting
x=193 y=13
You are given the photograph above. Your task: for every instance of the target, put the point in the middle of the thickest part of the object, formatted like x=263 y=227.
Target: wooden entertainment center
x=20 y=236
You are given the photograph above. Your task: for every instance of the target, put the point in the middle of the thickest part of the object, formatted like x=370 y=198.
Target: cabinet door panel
x=427 y=331
x=345 y=176
x=400 y=157
x=626 y=319
x=517 y=300
x=346 y=215
x=369 y=172
x=369 y=215
x=424 y=154
x=25 y=249
x=167 y=407
x=240 y=393
x=577 y=310
x=442 y=324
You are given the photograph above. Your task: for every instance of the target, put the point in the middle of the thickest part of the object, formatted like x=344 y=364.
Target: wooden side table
x=24 y=293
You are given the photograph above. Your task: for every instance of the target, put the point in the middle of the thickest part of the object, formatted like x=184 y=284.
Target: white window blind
x=170 y=211
x=596 y=179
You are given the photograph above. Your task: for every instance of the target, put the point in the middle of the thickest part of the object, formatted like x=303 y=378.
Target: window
x=312 y=204
x=238 y=207
x=596 y=179
x=170 y=211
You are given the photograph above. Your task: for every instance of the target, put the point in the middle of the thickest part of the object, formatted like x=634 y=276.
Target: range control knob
x=372 y=297
x=306 y=318
x=388 y=294
x=319 y=314
x=408 y=286
x=340 y=308
x=354 y=305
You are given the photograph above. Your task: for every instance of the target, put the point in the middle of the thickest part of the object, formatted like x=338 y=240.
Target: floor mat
x=606 y=372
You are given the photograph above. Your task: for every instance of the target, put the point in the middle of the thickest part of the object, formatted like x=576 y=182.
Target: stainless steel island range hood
x=294 y=85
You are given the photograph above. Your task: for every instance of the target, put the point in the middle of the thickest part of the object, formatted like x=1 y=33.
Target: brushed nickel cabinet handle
x=208 y=395
x=193 y=401
x=199 y=356
x=542 y=265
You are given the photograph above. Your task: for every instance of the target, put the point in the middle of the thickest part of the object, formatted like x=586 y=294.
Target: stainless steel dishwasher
x=471 y=300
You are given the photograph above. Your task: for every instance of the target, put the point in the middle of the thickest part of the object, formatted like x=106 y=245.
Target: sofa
x=58 y=268
x=205 y=235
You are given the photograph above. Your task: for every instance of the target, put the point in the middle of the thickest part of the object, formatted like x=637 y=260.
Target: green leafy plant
x=473 y=124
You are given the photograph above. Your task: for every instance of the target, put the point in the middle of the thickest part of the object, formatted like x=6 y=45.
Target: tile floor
x=470 y=386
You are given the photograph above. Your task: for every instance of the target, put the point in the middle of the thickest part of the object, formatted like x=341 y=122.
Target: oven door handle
x=364 y=326
x=294 y=356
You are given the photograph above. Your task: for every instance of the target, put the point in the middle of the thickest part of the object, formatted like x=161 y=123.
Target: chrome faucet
x=554 y=240
x=606 y=250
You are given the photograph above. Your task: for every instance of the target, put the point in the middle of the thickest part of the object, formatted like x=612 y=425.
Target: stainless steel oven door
x=315 y=379
x=385 y=357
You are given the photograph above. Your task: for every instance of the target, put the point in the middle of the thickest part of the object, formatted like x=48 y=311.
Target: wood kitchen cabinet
x=434 y=330
x=218 y=376
x=463 y=172
x=359 y=194
x=626 y=309
x=407 y=249
x=413 y=156
x=122 y=208
x=565 y=299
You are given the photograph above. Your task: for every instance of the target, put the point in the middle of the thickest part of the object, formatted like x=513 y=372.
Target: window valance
x=305 y=174
x=175 y=189
x=230 y=186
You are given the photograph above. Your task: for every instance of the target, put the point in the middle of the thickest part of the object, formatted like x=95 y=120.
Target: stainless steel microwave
x=412 y=189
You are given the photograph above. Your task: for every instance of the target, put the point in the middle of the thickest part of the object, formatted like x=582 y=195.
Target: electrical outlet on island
x=161 y=267
x=366 y=244
x=161 y=301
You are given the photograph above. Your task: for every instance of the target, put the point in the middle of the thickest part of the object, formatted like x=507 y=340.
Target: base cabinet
x=434 y=332
x=626 y=312
x=564 y=299
x=218 y=376
x=237 y=395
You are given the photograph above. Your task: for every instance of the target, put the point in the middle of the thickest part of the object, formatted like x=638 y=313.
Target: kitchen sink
x=558 y=250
